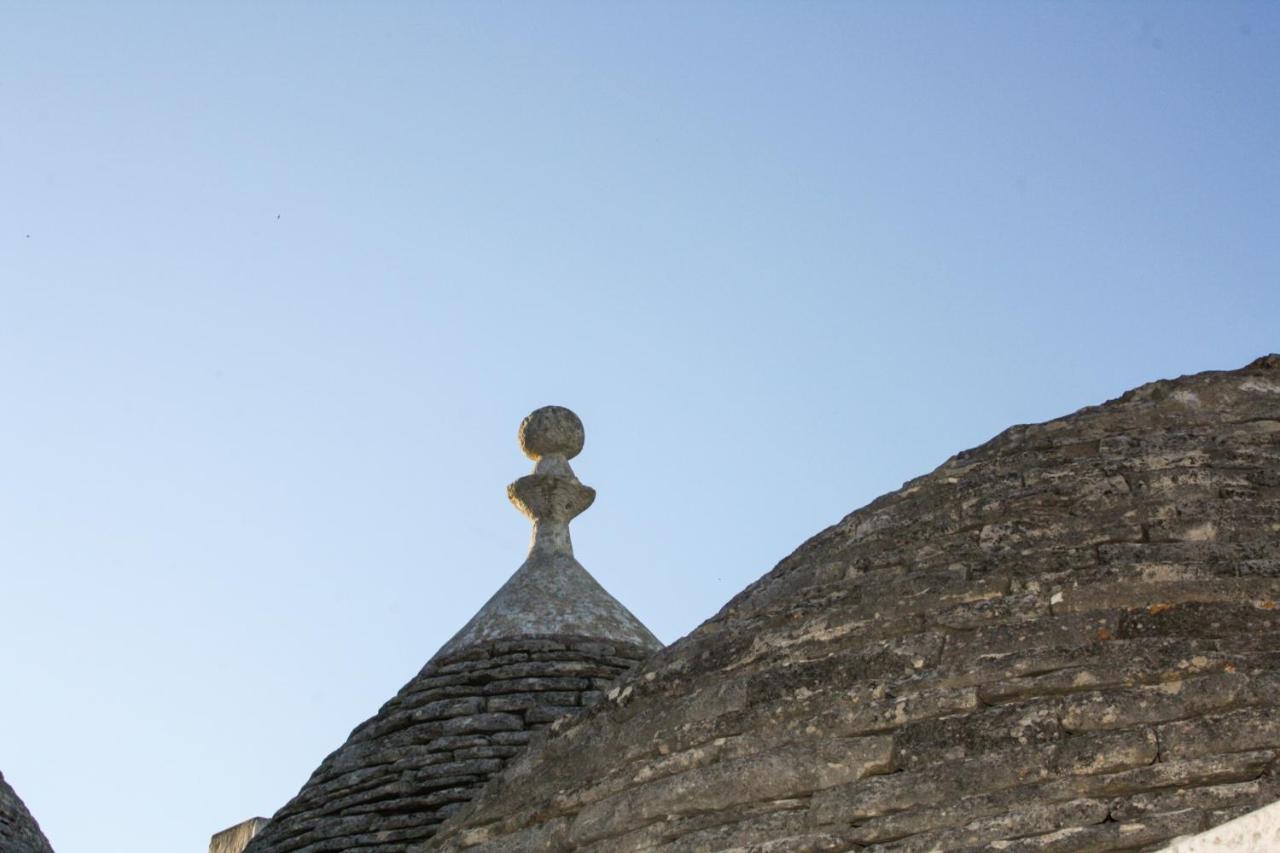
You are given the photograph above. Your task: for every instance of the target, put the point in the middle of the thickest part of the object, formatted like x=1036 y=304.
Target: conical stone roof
x=554 y=595
x=19 y=832
x=545 y=646
x=1066 y=639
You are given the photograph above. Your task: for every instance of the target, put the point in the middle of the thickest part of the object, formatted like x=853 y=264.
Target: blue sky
x=279 y=281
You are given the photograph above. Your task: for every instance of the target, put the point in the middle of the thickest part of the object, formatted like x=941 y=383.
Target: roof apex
x=551 y=594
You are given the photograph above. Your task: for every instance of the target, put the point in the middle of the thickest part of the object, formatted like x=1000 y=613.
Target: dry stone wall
x=432 y=746
x=1066 y=639
x=19 y=832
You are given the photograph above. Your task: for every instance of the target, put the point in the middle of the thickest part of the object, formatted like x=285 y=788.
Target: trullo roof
x=1066 y=639
x=547 y=645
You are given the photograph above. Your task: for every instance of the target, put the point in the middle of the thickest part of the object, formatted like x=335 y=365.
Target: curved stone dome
x=1066 y=639
x=19 y=832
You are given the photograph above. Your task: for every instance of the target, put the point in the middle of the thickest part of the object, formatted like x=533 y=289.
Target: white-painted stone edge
x=1256 y=831
x=234 y=839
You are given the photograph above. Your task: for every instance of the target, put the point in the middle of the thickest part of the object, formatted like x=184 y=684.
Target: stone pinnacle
x=551 y=594
x=551 y=496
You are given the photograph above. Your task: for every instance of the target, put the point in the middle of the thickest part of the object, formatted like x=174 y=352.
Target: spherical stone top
x=551 y=429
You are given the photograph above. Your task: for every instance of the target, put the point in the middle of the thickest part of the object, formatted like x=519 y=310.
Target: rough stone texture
x=429 y=749
x=236 y=838
x=1066 y=639
x=19 y=832
x=551 y=593
x=1256 y=831
x=551 y=430
x=546 y=646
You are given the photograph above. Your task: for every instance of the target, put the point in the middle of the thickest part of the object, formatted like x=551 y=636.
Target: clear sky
x=279 y=281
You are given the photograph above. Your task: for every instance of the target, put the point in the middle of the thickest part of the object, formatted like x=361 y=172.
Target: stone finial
x=551 y=430
x=551 y=496
x=551 y=594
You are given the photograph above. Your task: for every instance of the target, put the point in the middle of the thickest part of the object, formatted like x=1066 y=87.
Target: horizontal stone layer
x=438 y=741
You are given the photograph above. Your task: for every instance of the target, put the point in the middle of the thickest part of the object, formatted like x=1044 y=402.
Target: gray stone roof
x=19 y=832
x=551 y=593
x=556 y=596
x=546 y=646
x=1065 y=639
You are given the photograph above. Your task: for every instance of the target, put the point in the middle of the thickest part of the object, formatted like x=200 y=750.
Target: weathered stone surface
x=1248 y=832
x=1065 y=639
x=1113 y=835
x=1108 y=709
x=1160 y=775
x=763 y=776
x=1106 y=752
x=995 y=771
x=1251 y=794
x=406 y=770
x=19 y=832
x=543 y=648
x=1016 y=822
x=1247 y=728
x=551 y=593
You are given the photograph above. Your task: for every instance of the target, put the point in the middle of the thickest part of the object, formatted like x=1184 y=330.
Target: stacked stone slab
x=1066 y=639
x=19 y=832
x=548 y=644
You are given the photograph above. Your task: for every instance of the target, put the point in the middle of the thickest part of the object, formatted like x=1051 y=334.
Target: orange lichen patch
x=1104 y=634
x=1267 y=605
x=1158 y=608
